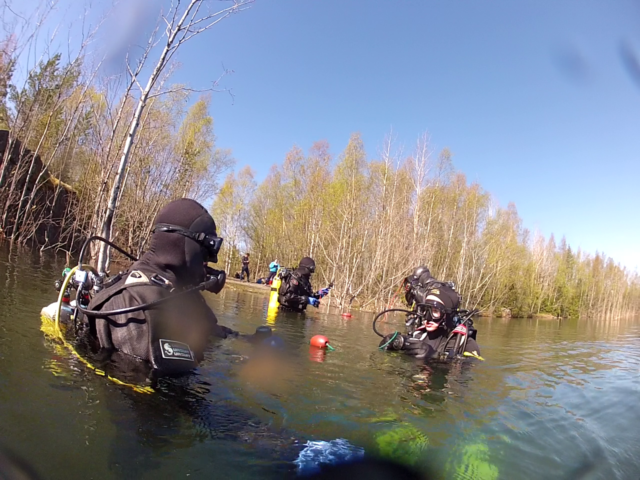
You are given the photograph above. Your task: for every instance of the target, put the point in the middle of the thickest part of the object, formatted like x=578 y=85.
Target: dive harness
x=87 y=279
x=84 y=278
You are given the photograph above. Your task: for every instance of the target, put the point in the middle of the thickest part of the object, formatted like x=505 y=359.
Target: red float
x=347 y=315
x=319 y=341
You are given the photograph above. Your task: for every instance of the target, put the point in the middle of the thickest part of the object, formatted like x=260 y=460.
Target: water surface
x=553 y=399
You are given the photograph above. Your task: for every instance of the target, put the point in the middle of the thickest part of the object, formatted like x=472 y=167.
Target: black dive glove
x=410 y=346
x=393 y=341
x=418 y=348
x=224 y=332
x=215 y=280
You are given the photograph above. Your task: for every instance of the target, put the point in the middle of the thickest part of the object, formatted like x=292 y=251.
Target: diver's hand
x=417 y=348
x=314 y=302
x=393 y=341
x=215 y=280
x=224 y=332
x=323 y=293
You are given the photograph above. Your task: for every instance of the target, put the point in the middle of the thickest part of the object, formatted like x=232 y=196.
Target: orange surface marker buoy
x=320 y=341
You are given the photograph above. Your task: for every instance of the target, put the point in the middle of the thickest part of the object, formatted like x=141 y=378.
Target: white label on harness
x=173 y=350
x=136 y=277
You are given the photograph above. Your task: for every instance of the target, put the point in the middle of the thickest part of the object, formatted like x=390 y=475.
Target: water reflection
x=184 y=413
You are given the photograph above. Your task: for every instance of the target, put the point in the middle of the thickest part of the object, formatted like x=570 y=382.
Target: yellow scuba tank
x=275 y=284
x=272 y=311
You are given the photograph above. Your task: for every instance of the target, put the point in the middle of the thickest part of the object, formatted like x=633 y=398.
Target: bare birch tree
x=180 y=27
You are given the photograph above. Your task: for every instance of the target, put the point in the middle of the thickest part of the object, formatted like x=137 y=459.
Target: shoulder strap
x=133 y=279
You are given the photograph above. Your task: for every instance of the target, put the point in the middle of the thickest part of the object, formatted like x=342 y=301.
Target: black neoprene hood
x=177 y=256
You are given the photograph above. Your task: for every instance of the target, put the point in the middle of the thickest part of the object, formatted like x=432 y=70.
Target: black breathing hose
x=403 y=310
x=104 y=240
x=467 y=316
x=121 y=311
x=137 y=308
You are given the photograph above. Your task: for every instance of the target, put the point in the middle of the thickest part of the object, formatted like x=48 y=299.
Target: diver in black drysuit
x=171 y=337
x=295 y=291
x=438 y=301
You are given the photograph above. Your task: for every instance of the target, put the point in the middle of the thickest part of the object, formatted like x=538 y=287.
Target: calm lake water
x=553 y=399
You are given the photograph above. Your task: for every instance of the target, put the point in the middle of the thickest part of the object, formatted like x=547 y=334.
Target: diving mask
x=210 y=243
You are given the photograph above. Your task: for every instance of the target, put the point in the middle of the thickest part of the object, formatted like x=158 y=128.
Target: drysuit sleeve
x=410 y=346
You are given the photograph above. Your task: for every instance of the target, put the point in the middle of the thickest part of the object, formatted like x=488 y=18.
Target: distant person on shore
x=436 y=304
x=295 y=291
x=245 y=267
x=273 y=269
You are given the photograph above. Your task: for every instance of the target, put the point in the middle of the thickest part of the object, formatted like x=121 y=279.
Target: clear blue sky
x=533 y=98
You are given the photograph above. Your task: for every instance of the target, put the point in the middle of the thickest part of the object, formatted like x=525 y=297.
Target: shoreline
x=236 y=284
x=252 y=287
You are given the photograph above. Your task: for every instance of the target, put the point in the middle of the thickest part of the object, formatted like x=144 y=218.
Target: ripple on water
x=552 y=398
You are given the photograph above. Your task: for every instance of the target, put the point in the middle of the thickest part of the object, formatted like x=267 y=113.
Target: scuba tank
x=275 y=286
x=272 y=310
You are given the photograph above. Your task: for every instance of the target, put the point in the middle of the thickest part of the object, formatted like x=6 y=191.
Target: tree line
x=116 y=146
x=368 y=222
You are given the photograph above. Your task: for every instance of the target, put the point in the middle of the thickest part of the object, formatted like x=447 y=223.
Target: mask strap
x=168 y=228
x=201 y=238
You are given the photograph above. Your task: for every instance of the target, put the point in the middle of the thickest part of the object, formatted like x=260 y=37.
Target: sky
x=539 y=101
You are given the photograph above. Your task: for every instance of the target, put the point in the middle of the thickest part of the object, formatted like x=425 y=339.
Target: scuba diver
x=153 y=314
x=295 y=291
x=273 y=270
x=436 y=327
